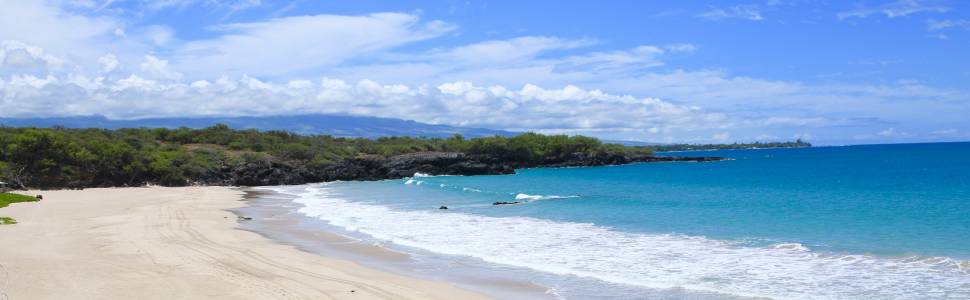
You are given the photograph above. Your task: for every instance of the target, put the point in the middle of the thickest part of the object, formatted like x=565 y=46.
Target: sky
x=830 y=72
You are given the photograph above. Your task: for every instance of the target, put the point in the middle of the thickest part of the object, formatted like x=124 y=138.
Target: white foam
x=413 y=181
x=528 y=197
x=791 y=247
x=783 y=271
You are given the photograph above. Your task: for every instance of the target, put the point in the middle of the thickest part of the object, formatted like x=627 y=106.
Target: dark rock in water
x=40 y=197
x=241 y=218
x=443 y=207
x=506 y=203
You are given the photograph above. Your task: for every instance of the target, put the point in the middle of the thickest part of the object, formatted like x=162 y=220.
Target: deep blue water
x=876 y=221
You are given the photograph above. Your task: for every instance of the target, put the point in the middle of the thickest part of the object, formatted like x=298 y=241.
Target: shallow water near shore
x=276 y=216
x=860 y=222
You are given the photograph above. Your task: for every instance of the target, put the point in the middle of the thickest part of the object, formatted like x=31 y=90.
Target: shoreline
x=275 y=217
x=174 y=243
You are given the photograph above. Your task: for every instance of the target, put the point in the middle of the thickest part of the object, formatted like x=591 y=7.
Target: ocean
x=852 y=222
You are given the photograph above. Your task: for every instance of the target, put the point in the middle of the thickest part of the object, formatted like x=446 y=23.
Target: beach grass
x=7 y=199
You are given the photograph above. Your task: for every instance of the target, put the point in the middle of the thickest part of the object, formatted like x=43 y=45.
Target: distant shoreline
x=221 y=156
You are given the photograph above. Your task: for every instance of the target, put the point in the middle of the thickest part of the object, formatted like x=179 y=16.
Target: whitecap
x=527 y=197
x=781 y=271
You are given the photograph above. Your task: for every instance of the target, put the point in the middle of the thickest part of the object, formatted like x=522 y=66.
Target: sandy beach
x=173 y=243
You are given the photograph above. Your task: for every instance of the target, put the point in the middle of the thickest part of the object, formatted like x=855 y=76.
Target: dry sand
x=172 y=243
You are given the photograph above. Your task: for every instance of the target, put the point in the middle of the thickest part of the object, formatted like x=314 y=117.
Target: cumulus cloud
x=159 y=68
x=22 y=57
x=458 y=103
x=688 y=106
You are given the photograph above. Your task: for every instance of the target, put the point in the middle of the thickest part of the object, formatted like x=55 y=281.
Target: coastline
x=174 y=243
x=276 y=217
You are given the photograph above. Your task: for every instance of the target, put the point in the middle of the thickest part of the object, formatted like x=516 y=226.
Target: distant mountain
x=632 y=143
x=335 y=125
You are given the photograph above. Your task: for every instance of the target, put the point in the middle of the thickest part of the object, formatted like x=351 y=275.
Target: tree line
x=62 y=157
x=755 y=145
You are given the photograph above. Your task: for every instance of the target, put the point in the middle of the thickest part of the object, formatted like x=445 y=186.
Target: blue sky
x=832 y=72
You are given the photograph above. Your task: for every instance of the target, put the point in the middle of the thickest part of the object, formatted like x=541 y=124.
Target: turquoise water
x=858 y=222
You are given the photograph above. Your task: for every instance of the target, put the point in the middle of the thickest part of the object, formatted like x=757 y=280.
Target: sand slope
x=172 y=243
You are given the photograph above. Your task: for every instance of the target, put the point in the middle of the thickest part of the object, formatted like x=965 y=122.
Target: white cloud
x=241 y=4
x=932 y=24
x=948 y=131
x=899 y=8
x=721 y=137
x=166 y=4
x=747 y=12
x=546 y=83
x=531 y=107
x=888 y=132
x=513 y=62
x=295 y=45
x=108 y=63
x=158 y=35
x=159 y=68
x=681 y=48
x=514 y=50
x=22 y=57
x=79 y=41
x=57 y=31
x=640 y=57
x=156 y=5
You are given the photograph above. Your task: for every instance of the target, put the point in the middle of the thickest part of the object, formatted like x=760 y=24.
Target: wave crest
x=528 y=197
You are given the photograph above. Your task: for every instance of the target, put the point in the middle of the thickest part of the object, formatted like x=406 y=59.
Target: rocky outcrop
x=268 y=171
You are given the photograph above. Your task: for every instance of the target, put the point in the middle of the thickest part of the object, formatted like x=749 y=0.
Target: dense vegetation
x=756 y=145
x=7 y=199
x=60 y=157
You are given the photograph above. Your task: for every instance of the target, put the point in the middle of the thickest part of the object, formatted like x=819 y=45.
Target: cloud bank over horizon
x=69 y=58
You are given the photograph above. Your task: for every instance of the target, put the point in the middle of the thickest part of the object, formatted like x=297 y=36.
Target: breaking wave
x=528 y=197
x=658 y=261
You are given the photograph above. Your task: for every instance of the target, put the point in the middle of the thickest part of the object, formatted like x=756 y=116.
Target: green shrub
x=8 y=198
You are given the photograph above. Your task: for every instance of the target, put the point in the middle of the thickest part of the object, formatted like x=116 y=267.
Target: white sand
x=172 y=243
